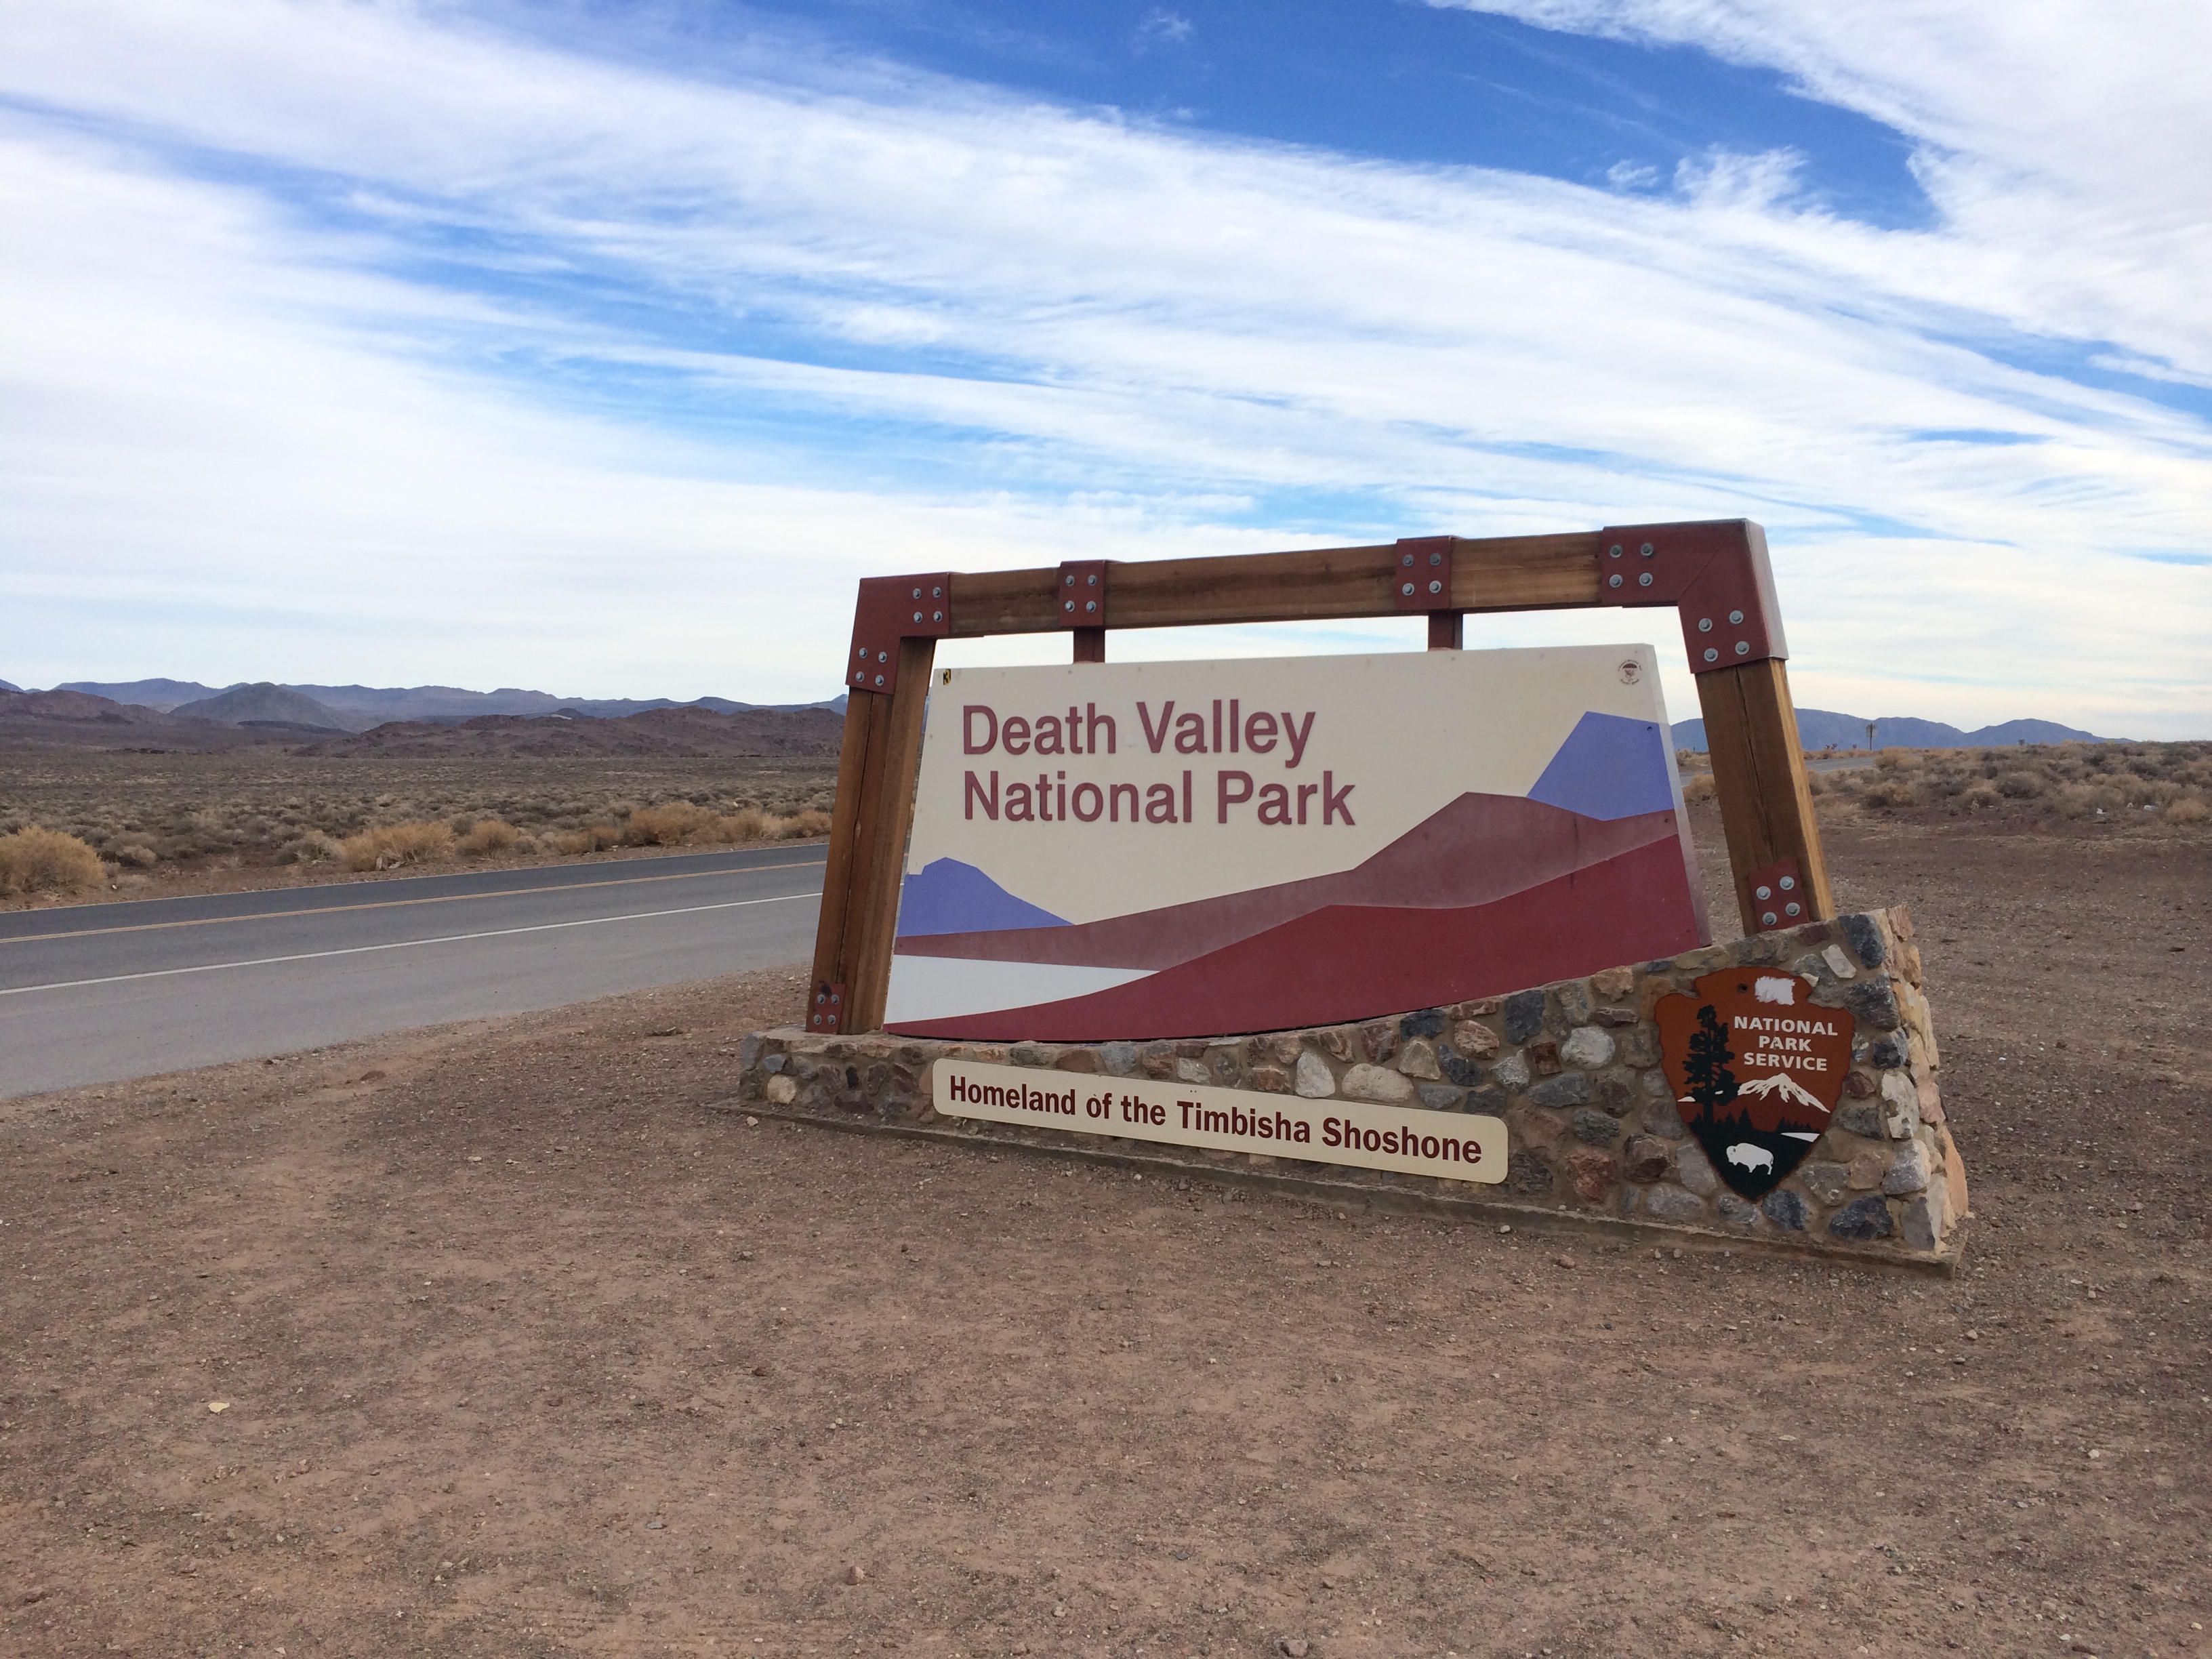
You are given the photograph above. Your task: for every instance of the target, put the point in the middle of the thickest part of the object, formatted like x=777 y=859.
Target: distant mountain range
x=358 y=707
x=361 y=707
x=1822 y=728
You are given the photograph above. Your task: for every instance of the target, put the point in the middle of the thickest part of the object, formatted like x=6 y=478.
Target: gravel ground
x=522 y=1347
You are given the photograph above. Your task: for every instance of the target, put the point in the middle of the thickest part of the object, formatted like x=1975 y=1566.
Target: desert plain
x=510 y=1337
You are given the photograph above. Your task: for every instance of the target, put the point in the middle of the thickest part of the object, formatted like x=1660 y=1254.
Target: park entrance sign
x=1416 y=931
x=1153 y=850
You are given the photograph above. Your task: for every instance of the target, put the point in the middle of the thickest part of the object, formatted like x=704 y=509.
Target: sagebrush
x=35 y=859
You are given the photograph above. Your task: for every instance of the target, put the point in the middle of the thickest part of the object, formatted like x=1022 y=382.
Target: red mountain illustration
x=1344 y=961
x=1476 y=851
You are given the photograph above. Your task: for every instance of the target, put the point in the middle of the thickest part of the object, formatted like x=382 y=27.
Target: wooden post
x=1758 y=776
x=874 y=811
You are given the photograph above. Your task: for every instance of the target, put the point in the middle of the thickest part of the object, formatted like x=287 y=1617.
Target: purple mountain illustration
x=948 y=896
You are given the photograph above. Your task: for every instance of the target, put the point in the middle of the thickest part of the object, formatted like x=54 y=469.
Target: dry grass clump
x=490 y=837
x=682 y=824
x=388 y=845
x=34 y=861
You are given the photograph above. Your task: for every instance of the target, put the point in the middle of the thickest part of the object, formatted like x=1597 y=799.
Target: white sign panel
x=1105 y=851
x=1455 y=1145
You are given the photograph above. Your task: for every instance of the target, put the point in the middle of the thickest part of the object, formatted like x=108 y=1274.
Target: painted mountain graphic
x=948 y=896
x=1787 y=1088
x=1490 y=893
x=1610 y=767
x=1476 y=850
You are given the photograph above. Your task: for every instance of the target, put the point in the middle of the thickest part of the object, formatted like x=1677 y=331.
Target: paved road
x=98 y=992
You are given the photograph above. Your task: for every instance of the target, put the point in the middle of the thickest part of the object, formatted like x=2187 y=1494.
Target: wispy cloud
x=451 y=347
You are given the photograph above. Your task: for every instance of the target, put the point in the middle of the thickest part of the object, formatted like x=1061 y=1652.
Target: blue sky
x=599 y=348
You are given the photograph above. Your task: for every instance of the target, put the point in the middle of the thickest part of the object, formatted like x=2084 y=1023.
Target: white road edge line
x=399 y=944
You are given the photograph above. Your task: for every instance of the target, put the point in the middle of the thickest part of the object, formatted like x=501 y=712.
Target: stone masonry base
x=1595 y=1140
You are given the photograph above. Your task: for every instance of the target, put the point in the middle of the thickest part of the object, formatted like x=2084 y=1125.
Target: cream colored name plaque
x=1409 y=1140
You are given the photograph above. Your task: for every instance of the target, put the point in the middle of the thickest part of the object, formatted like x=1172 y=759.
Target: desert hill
x=266 y=704
x=364 y=706
x=685 y=729
x=76 y=720
x=1819 y=728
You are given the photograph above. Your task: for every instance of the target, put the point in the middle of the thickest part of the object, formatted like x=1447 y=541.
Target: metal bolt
x=1436 y=588
x=1790 y=909
x=883 y=656
x=1071 y=579
x=1762 y=894
x=917 y=593
x=1788 y=883
x=1435 y=558
x=1712 y=656
x=1613 y=580
x=1407 y=590
x=1405 y=559
x=1704 y=624
x=917 y=615
x=1643 y=581
x=863 y=653
x=879 y=680
x=1613 y=552
x=1743 y=648
x=1736 y=618
x=937 y=616
x=1647 y=550
x=1770 y=919
x=1091 y=580
x=936 y=593
x=1090 y=605
x=1069 y=605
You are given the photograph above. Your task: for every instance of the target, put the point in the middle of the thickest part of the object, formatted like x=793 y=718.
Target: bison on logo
x=1756 y=1070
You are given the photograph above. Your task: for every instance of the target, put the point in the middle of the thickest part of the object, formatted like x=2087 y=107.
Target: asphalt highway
x=99 y=993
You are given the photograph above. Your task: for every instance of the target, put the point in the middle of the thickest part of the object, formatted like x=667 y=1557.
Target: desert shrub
x=1699 y=787
x=137 y=853
x=390 y=845
x=671 y=825
x=1888 y=791
x=312 y=848
x=591 y=838
x=2021 y=785
x=2187 y=809
x=34 y=860
x=1981 y=797
x=488 y=836
x=1892 y=760
x=812 y=821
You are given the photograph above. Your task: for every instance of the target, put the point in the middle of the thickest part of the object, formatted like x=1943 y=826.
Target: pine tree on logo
x=1705 y=1066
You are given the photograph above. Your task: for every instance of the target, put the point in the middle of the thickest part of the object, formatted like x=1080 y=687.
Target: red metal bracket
x=1082 y=594
x=827 y=1017
x=1778 y=893
x=1422 y=579
x=1717 y=573
x=891 y=609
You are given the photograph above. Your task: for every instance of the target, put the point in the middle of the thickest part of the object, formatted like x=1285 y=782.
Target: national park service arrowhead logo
x=1756 y=1070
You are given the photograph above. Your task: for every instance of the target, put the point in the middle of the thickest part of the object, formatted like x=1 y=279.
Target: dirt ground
x=522 y=1348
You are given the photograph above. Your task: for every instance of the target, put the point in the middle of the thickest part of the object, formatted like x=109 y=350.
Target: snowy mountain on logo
x=1788 y=1087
